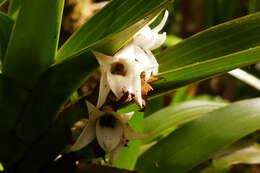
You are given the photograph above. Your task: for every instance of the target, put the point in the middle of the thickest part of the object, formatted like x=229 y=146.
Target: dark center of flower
x=118 y=68
x=107 y=121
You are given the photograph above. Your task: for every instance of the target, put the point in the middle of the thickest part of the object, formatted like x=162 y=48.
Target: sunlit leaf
x=248 y=155
x=234 y=36
x=174 y=116
x=198 y=140
x=197 y=71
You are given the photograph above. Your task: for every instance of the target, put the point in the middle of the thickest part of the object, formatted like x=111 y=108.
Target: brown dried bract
x=146 y=88
x=153 y=79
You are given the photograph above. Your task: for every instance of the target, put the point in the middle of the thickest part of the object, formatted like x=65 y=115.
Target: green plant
x=38 y=79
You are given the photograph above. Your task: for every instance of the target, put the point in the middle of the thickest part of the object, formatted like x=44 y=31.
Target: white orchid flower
x=111 y=130
x=120 y=74
x=148 y=39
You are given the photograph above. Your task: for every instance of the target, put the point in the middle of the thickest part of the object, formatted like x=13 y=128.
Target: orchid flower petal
x=127 y=116
x=118 y=84
x=124 y=117
x=148 y=60
x=130 y=134
x=138 y=91
x=89 y=132
x=126 y=52
x=103 y=59
x=148 y=38
x=148 y=74
x=142 y=56
x=109 y=137
x=159 y=40
x=144 y=37
x=159 y=27
x=93 y=112
x=103 y=90
x=86 y=137
x=116 y=152
x=153 y=61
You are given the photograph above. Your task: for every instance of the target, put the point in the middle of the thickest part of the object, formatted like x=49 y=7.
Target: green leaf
x=115 y=17
x=247 y=155
x=187 y=62
x=154 y=105
x=171 y=40
x=234 y=36
x=62 y=79
x=180 y=95
x=54 y=140
x=174 y=116
x=198 y=140
x=6 y=24
x=175 y=78
x=33 y=41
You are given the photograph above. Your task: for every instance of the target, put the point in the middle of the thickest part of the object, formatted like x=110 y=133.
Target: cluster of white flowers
x=121 y=73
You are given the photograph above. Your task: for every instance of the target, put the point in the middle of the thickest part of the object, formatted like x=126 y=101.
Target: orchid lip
x=107 y=121
x=118 y=68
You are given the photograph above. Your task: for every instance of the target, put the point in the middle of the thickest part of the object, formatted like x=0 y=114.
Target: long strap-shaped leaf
x=6 y=24
x=211 y=52
x=203 y=70
x=230 y=37
x=174 y=116
x=115 y=17
x=196 y=141
x=34 y=40
x=249 y=155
